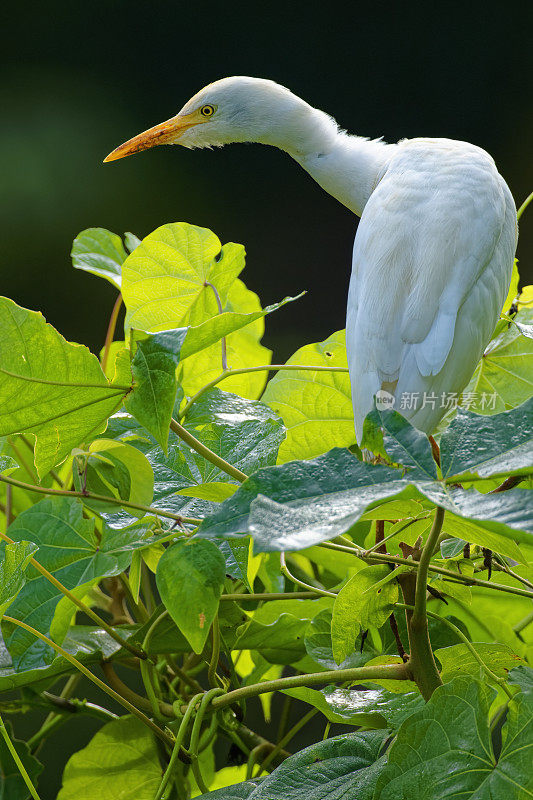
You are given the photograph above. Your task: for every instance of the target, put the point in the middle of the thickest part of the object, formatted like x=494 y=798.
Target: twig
x=111 y=330
x=204 y=451
x=16 y=758
x=103 y=498
x=88 y=674
x=285 y=571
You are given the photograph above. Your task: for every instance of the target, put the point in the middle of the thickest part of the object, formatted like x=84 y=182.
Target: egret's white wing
x=431 y=266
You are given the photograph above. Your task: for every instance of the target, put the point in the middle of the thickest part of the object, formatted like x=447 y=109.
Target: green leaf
x=15 y=558
x=483 y=537
x=445 y=750
x=507 y=513
x=120 y=761
x=369 y=708
x=50 y=387
x=110 y=467
x=336 y=769
x=504 y=377
x=459 y=660
x=88 y=644
x=279 y=642
x=169 y=273
x=513 y=292
x=499 y=445
x=404 y=444
x=316 y=407
x=154 y=381
x=69 y=548
x=291 y=507
x=319 y=646
x=367 y=599
x=100 y=252
x=190 y=576
x=199 y=337
x=243 y=348
x=12 y=785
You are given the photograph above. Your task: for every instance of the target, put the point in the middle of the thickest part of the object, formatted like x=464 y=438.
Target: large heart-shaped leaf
x=445 y=749
x=172 y=271
x=316 y=407
x=50 y=387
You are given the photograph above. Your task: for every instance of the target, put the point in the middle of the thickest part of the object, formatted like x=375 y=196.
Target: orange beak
x=164 y=133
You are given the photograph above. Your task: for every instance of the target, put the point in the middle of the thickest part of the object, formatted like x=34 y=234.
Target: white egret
x=433 y=251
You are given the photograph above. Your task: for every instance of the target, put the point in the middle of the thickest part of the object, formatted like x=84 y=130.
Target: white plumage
x=434 y=249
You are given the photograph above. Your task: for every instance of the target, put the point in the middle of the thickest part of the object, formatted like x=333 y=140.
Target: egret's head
x=237 y=109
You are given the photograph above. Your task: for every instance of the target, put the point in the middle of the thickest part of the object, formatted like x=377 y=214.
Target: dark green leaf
x=190 y=576
x=404 y=444
x=69 y=548
x=291 y=507
x=445 y=750
x=319 y=647
x=499 y=445
x=101 y=252
x=154 y=374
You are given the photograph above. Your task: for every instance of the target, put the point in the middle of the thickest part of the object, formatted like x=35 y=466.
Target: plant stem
x=204 y=451
x=223 y=340
x=111 y=330
x=136 y=651
x=103 y=498
x=524 y=205
x=285 y=571
x=453 y=576
x=16 y=758
x=519 y=627
x=397 y=672
x=266 y=368
x=88 y=674
x=421 y=660
x=215 y=654
x=239 y=596
x=165 y=709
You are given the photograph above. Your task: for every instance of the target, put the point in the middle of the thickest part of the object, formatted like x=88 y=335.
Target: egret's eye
x=207 y=111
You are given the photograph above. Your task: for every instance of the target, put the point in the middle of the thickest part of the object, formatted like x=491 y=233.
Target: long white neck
x=347 y=167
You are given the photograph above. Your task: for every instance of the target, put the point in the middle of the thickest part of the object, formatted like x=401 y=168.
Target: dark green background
x=79 y=78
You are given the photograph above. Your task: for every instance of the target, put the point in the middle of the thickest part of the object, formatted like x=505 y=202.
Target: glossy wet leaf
x=14 y=559
x=292 y=506
x=445 y=750
x=190 y=576
x=339 y=768
x=50 y=387
x=316 y=407
x=369 y=708
x=367 y=599
x=121 y=760
x=100 y=252
x=498 y=445
x=71 y=549
x=403 y=443
x=167 y=275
